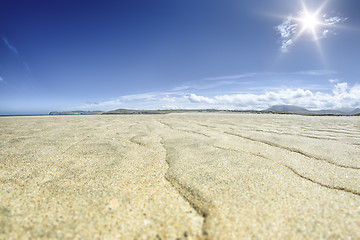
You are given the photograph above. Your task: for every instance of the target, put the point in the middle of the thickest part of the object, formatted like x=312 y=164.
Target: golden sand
x=180 y=176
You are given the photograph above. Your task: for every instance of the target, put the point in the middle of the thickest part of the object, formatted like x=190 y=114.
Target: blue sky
x=159 y=54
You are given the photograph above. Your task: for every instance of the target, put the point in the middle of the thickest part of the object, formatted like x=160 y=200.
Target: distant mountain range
x=280 y=109
x=132 y=111
x=300 y=110
x=77 y=113
x=129 y=111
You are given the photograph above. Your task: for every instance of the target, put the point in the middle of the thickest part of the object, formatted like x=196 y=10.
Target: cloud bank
x=341 y=96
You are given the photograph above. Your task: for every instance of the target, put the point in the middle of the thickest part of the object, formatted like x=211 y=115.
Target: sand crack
x=193 y=197
x=294 y=150
x=183 y=130
x=323 y=185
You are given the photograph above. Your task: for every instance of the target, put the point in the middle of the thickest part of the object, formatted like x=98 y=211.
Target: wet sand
x=180 y=176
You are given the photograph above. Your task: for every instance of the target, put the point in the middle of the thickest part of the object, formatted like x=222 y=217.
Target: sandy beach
x=180 y=176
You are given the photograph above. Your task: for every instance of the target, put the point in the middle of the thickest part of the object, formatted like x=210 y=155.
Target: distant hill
x=281 y=109
x=330 y=112
x=77 y=113
x=300 y=110
x=130 y=111
x=288 y=109
x=355 y=111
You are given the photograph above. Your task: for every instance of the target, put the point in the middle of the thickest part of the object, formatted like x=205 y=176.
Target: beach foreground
x=180 y=176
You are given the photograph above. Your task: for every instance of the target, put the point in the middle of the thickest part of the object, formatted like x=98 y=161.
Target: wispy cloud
x=27 y=68
x=319 y=72
x=233 y=77
x=181 y=88
x=291 y=28
x=11 y=47
x=2 y=80
x=315 y=72
x=210 y=83
x=19 y=59
x=104 y=105
x=148 y=100
x=248 y=81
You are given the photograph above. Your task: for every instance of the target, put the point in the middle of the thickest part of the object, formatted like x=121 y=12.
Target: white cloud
x=333 y=20
x=330 y=23
x=200 y=99
x=340 y=88
x=342 y=96
x=286 y=44
x=287 y=30
x=11 y=47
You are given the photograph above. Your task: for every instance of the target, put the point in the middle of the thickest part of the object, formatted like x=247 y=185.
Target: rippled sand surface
x=180 y=176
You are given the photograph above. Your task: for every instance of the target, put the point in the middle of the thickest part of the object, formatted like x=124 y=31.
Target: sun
x=309 y=25
x=310 y=22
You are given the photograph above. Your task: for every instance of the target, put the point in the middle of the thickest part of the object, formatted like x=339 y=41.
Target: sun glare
x=310 y=22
